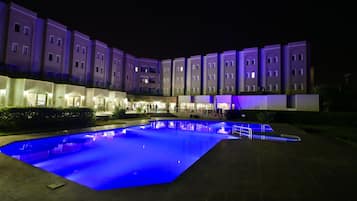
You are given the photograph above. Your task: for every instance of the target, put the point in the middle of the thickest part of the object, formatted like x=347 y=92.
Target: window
x=25 y=50
x=84 y=50
x=17 y=27
x=14 y=47
x=181 y=69
x=101 y=70
x=82 y=65
x=270 y=88
x=270 y=73
x=301 y=86
x=214 y=76
x=59 y=42
x=247 y=62
x=213 y=65
x=97 y=56
x=193 y=66
x=136 y=69
x=293 y=71
x=26 y=30
x=253 y=87
x=232 y=88
x=77 y=48
x=232 y=63
x=301 y=57
x=301 y=71
x=113 y=74
x=248 y=88
x=248 y=75
x=227 y=75
x=276 y=87
x=269 y=60
x=295 y=86
x=97 y=69
x=232 y=76
x=115 y=61
x=52 y=39
x=58 y=58
x=209 y=65
x=253 y=74
x=102 y=57
x=293 y=57
x=226 y=63
x=50 y=56
x=76 y=64
x=253 y=61
x=276 y=59
x=209 y=77
x=276 y=73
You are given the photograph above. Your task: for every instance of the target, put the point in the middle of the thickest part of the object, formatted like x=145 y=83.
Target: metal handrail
x=242 y=130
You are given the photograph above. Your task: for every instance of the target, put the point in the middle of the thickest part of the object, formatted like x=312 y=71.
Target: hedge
x=35 y=117
x=331 y=118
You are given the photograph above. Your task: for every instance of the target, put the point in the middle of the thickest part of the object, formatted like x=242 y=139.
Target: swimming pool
x=135 y=156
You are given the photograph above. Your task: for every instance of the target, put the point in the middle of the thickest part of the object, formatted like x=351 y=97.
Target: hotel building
x=43 y=63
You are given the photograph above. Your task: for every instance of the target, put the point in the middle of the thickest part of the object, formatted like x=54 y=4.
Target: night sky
x=169 y=29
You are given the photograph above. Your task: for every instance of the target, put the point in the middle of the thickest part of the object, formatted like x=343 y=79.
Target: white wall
x=307 y=102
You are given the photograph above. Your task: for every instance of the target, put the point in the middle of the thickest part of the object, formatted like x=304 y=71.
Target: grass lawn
x=347 y=134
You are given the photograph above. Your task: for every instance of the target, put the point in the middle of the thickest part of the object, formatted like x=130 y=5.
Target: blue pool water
x=135 y=156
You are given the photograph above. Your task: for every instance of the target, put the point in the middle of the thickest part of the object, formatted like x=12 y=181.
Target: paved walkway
x=315 y=169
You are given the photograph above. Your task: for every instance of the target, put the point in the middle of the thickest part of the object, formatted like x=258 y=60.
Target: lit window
x=25 y=50
x=26 y=30
x=59 y=42
x=58 y=58
x=253 y=74
x=181 y=69
x=50 y=57
x=198 y=77
x=136 y=69
x=17 y=27
x=52 y=39
x=14 y=47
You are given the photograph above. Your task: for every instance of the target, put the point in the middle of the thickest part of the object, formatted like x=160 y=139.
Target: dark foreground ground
x=318 y=168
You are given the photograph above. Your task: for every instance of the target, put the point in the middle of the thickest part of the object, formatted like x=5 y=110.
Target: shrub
x=36 y=117
x=118 y=113
x=265 y=116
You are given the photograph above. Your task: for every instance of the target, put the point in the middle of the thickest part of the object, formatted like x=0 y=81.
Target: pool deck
x=317 y=168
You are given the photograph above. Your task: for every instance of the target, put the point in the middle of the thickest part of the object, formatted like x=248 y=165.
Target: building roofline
x=179 y=59
x=166 y=61
x=195 y=57
x=117 y=51
x=143 y=59
x=269 y=47
x=81 y=35
x=229 y=52
x=22 y=10
x=100 y=43
x=250 y=49
x=213 y=54
x=56 y=24
x=297 y=43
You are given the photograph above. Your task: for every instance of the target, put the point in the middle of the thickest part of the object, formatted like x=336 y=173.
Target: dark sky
x=168 y=29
